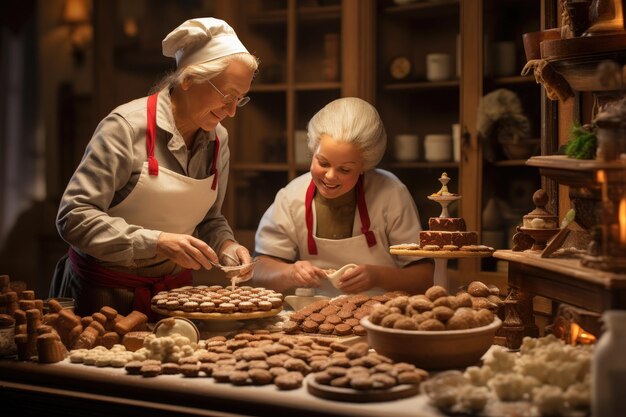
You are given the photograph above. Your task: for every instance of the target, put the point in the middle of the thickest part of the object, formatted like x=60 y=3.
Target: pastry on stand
x=447 y=238
x=540 y=225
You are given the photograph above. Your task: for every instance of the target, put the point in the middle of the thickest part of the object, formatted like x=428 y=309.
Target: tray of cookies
x=445 y=251
x=365 y=376
x=337 y=317
x=218 y=303
x=368 y=394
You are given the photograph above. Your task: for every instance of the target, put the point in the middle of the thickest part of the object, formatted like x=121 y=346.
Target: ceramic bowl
x=179 y=325
x=432 y=350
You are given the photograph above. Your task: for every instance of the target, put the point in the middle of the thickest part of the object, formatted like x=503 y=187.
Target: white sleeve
x=276 y=235
x=403 y=222
x=82 y=219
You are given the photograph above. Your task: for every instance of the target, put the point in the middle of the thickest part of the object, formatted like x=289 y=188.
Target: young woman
x=343 y=211
x=144 y=206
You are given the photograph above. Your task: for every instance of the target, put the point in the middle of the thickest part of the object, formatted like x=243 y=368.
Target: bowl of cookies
x=433 y=331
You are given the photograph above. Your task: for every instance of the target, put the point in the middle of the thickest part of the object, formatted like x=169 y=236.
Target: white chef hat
x=201 y=40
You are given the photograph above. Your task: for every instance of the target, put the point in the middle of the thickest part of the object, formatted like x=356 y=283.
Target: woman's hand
x=304 y=274
x=186 y=251
x=232 y=254
x=358 y=279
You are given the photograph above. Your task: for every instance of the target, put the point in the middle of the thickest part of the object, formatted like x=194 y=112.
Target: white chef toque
x=201 y=40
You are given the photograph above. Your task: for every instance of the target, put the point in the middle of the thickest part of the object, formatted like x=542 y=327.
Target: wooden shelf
x=268 y=88
x=423 y=10
x=419 y=165
x=269 y=17
x=514 y=79
x=319 y=13
x=305 y=14
x=572 y=172
x=323 y=85
x=259 y=166
x=577 y=59
x=511 y=163
x=422 y=85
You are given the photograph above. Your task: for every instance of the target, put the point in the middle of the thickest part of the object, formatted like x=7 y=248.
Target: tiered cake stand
x=444 y=198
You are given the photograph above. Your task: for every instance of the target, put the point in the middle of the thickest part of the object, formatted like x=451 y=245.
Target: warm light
x=601 y=178
x=578 y=336
x=76 y=12
x=622 y=220
x=130 y=27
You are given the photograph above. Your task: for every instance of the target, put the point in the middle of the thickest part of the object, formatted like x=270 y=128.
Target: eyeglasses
x=228 y=99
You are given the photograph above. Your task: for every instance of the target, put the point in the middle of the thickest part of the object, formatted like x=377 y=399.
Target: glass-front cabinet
x=444 y=75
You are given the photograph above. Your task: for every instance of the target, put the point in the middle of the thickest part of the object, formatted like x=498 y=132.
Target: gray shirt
x=110 y=169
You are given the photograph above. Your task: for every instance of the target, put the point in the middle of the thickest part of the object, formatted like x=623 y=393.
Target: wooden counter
x=562 y=280
x=65 y=389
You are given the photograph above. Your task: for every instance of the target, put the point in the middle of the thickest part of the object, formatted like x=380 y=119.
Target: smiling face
x=204 y=104
x=335 y=167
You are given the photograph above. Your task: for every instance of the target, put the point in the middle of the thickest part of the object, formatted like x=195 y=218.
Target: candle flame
x=601 y=176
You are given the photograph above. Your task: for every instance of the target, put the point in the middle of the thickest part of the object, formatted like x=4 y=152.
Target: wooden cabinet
x=314 y=51
x=311 y=52
x=483 y=38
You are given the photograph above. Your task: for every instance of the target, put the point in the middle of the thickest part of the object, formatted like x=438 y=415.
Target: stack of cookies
x=217 y=299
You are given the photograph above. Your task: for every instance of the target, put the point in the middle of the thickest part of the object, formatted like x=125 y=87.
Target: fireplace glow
x=578 y=336
x=601 y=178
x=622 y=221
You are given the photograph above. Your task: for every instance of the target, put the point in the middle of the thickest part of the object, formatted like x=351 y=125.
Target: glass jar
x=608 y=367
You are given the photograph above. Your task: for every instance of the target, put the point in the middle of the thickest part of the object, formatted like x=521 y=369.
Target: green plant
x=582 y=142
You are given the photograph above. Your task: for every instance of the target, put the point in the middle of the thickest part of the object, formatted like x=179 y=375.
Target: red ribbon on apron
x=363 y=214
x=90 y=273
x=153 y=164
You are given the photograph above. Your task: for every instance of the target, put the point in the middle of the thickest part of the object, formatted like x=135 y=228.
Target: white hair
x=198 y=73
x=350 y=120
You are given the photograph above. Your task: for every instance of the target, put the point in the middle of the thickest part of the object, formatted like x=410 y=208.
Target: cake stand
x=444 y=201
x=440 y=277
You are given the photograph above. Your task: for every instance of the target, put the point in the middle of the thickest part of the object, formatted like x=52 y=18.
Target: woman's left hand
x=358 y=279
x=235 y=254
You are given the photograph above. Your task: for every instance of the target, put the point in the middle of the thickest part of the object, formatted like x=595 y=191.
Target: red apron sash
x=90 y=273
x=361 y=206
x=153 y=164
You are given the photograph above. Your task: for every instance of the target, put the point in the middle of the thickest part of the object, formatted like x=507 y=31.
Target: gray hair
x=198 y=73
x=351 y=120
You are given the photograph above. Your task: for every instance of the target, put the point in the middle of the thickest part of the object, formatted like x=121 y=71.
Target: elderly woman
x=343 y=211
x=143 y=208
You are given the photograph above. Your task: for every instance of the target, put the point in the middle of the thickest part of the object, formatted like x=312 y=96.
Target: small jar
x=437 y=148
x=7 y=336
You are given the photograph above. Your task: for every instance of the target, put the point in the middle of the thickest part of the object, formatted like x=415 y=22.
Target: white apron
x=163 y=199
x=335 y=253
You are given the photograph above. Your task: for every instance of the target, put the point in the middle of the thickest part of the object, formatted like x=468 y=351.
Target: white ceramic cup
x=504 y=59
x=456 y=142
x=406 y=147
x=437 y=147
x=438 y=67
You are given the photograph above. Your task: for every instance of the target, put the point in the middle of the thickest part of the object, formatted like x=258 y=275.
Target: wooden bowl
x=432 y=350
x=532 y=41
